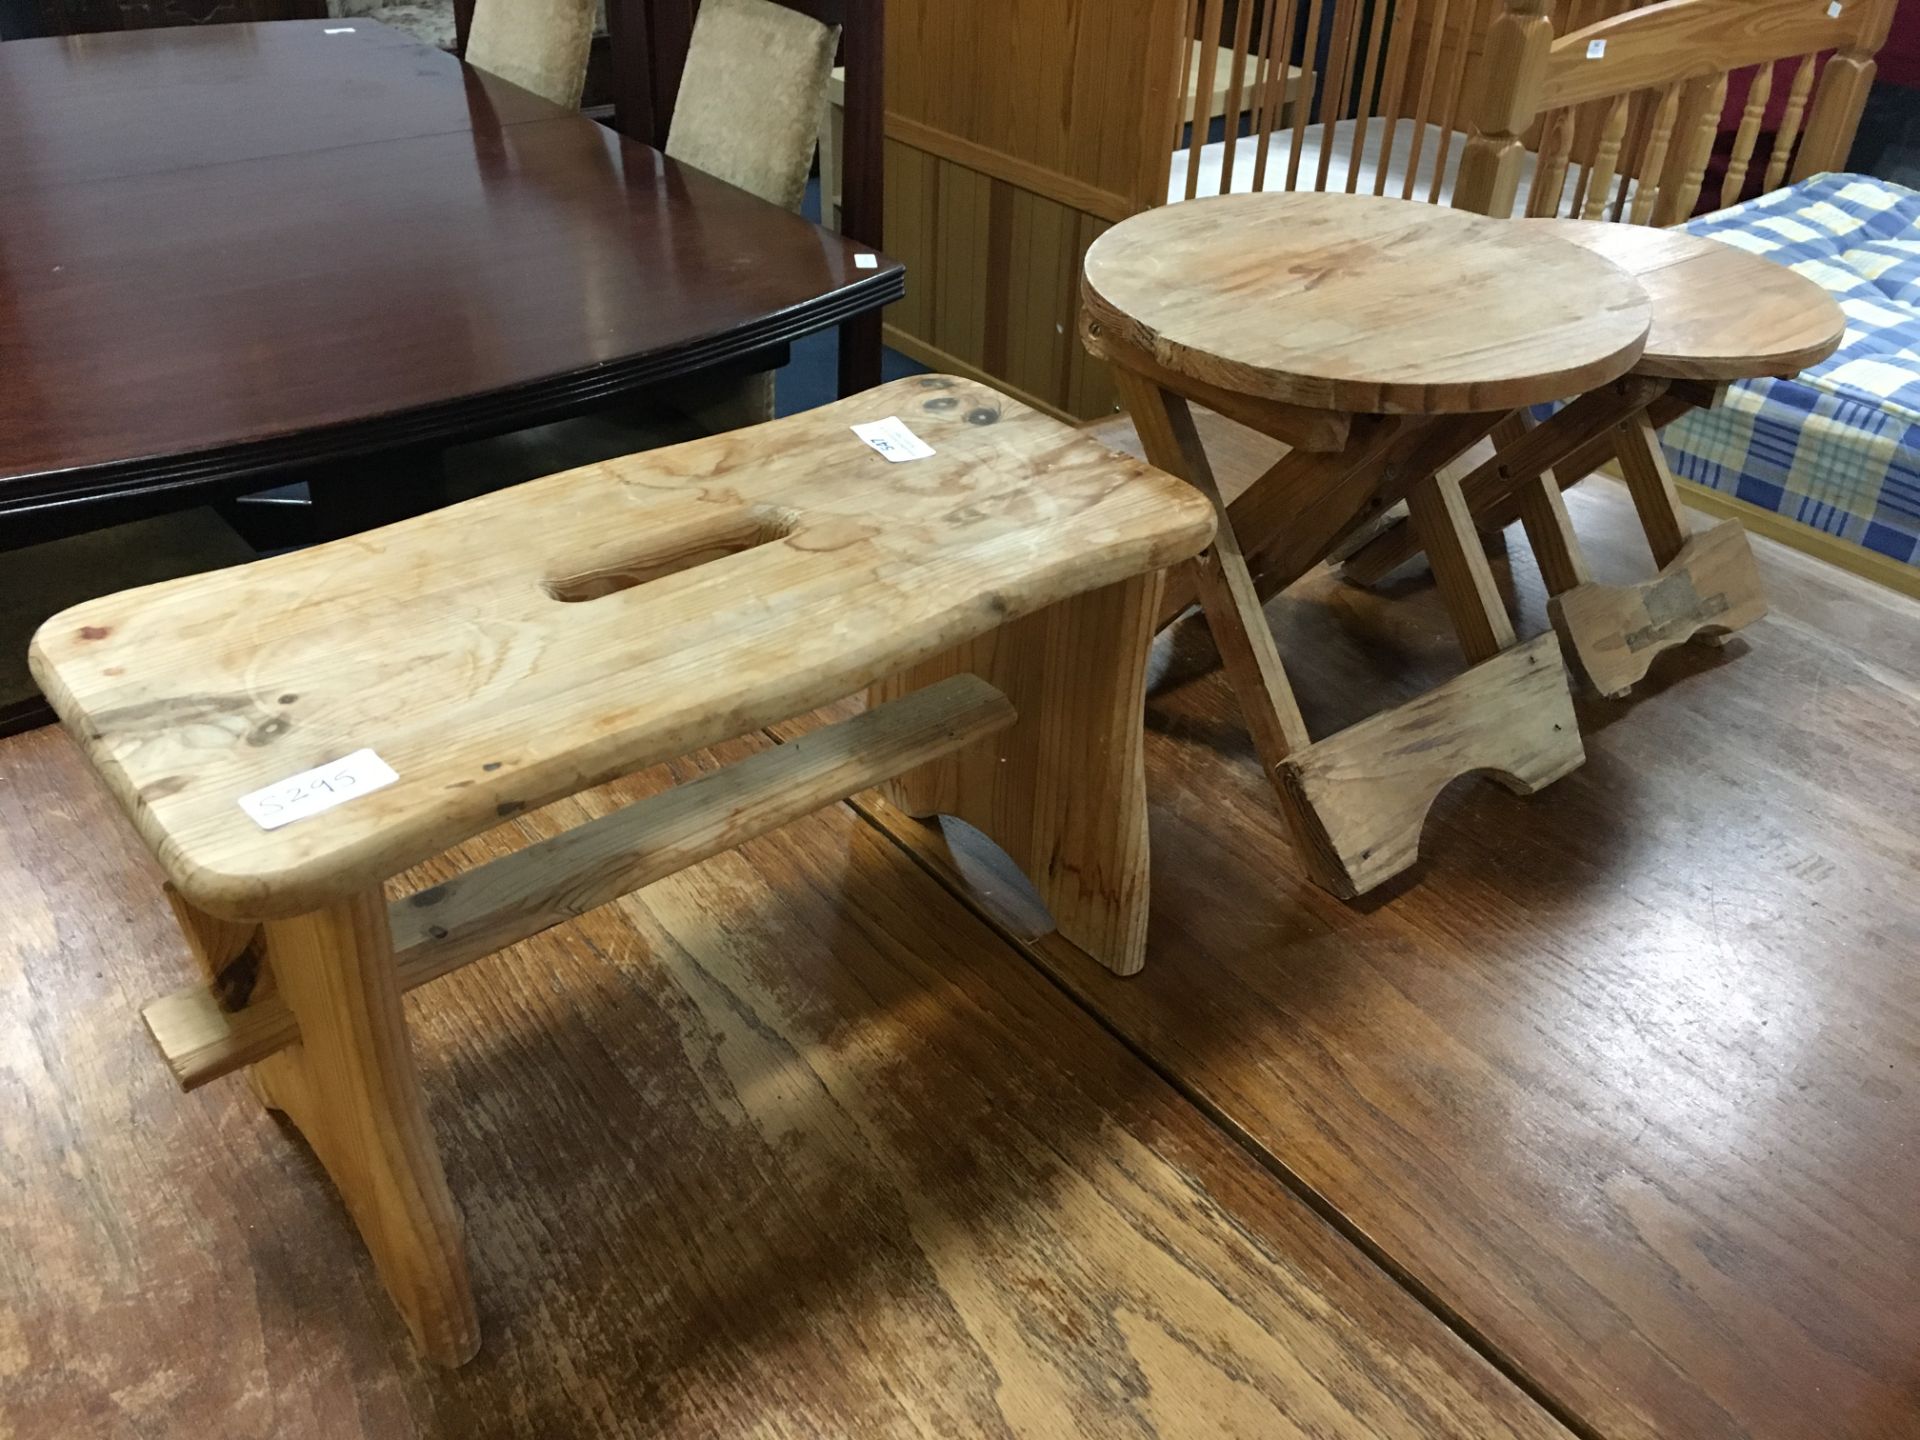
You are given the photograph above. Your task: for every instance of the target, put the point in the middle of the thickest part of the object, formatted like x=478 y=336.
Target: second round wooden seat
x=1718 y=315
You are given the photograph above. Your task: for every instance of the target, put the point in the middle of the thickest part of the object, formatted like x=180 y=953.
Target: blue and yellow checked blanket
x=1837 y=449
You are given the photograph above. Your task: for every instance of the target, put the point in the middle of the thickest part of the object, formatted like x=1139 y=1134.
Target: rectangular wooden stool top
x=504 y=652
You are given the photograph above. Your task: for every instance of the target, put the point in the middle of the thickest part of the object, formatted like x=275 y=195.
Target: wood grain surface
x=642 y=608
x=1719 y=313
x=1361 y=304
x=236 y=250
x=206 y=1031
x=787 y=1145
x=1613 y=633
x=88 y=108
x=1682 y=41
x=1624 y=1080
x=1366 y=790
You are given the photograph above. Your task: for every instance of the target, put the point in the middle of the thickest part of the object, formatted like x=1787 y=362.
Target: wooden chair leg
x=1063 y=790
x=349 y=1086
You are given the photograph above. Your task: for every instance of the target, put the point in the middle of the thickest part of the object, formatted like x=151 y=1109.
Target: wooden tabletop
x=1363 y=305
x=583 y=625
x=238 y=248
x=1719 y=313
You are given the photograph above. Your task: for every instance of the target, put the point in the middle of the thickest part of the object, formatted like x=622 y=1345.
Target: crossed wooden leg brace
x=1356 y=801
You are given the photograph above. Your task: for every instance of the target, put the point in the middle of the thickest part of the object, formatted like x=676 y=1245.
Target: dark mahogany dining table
x=230 y=252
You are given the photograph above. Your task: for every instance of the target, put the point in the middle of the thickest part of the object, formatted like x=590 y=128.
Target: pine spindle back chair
x=1616 y=119
x=1386 y=75
x=1396 y=83
x=1603 y=109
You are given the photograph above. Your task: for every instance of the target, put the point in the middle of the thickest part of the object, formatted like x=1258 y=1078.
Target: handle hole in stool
x=672 y=551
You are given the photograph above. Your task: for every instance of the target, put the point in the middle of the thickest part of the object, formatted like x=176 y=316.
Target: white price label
x=866 y=260
x=338 y=30
x=893 y=439
x=1595 y=49
x=321 y=788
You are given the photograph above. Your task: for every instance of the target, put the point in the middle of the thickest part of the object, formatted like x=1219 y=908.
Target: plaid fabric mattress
x=1838 y=448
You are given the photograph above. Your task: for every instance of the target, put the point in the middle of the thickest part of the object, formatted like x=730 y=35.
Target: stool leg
x=1460 y=569
x=1063 y=791
x=349 y=1086
x=1543 y=514
x=1220 y=578
x=1644 y=465
x=1368 y=788
x=1556 y=549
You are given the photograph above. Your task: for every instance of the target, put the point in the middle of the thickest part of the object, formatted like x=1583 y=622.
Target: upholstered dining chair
x=648 y=45
x=748 y=109
x=748 y=112
x=540 y=45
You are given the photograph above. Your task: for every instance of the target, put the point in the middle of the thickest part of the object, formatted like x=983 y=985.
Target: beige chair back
x=539 y=45
x=751 y=95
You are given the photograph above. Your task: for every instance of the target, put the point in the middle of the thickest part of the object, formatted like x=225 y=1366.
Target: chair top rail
x=1680 y=40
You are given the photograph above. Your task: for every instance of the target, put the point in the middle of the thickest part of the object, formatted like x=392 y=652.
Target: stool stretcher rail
x=438 y=930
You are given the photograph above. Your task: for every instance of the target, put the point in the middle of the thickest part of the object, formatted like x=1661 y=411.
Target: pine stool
x=291 y=734
x=1719 y=315
x=1379 y=339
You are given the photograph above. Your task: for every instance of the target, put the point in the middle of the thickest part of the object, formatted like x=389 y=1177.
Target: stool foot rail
x=1613 y=632
x=1359 y=798
x=501 y=903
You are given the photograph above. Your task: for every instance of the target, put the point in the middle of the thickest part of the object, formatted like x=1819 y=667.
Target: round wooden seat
x=1719 y=313
x=1363 y=305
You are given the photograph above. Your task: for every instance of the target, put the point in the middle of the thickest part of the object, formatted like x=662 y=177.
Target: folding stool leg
x=1235 y=616
x=1708 y=585
x=1577 y=439
x=1460 y=569
x=1510 y=716
x=1220 y=577
x=1542 y=512
x=1644 y=465
x=349 y=1086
